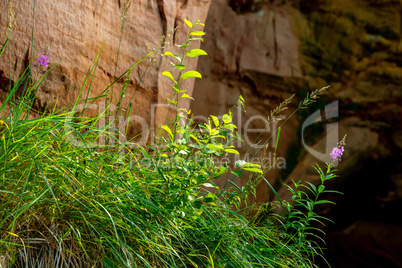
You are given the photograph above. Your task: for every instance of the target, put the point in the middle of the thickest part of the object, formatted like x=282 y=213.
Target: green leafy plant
x=65 y=203
x=191 y=156
x=300 y=218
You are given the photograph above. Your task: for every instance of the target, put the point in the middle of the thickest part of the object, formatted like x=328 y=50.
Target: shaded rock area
x=73 y=33
x=268 y=50
x=381 y=241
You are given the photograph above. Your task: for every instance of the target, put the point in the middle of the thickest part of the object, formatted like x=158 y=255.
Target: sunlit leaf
x=167 y=130
x=168 y=53
x=214 y=147
x=185 y=110
x=215 y=119
x=186 y=96
x=177 y=88
x=251 y=165
x=168 y=74
x=230 y=126
x=196 y=52
x=189 y=24
x=231 y=151
x=198 y=33
x=227 y=118
x=196 y=39
x=171 y=101
x=257 y=170
x=180 y=66
x=191 y=74
x=214 y=132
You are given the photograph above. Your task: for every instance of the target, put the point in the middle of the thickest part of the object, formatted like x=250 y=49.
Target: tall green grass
x=65 y=203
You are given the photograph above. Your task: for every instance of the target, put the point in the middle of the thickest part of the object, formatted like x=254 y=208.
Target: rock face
x=268 y=50
x=265 y=51
x=72 y=34
x=254 y=55
x=382 y=240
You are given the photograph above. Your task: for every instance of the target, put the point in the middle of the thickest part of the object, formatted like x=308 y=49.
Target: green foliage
x=63 y=201
x=3 y=47
x=300 y=218
x=187 y=155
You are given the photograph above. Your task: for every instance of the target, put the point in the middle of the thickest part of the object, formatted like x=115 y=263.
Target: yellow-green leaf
x=214 y=131
x=198 y=33
x=257 y=170
x=231 y=151
x=195 y=138
x=168 y=74
x=227 y=118
x=177 y=88
x=189 y=24
x=167 y=130
x=168 y=53
x=13 y=234
x=215 y=119
x=191 y=74
x=215 y=147
x=171 y=101
x=180 y=66
x=230 y=126
x=185 y=110
x=196 y=39
x=251 y=165
x=186 y=96
x=196 y=52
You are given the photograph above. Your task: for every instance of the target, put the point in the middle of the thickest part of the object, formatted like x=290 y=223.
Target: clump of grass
x=65 y=203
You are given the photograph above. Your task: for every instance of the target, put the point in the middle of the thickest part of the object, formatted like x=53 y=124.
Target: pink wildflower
x=43 y=60
x=337 y=153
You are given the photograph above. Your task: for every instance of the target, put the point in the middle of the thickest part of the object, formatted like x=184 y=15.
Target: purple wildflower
x=43 y=60
x=337 y=153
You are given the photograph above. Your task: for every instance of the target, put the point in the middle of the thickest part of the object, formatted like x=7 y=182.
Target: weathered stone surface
x=353 y=246
x=72 y=34
x=268 y=53
x=268 y=50
x=254 y=55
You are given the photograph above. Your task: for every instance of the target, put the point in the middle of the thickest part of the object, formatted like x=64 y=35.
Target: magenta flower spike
x=42 y=60
x=337 y=153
